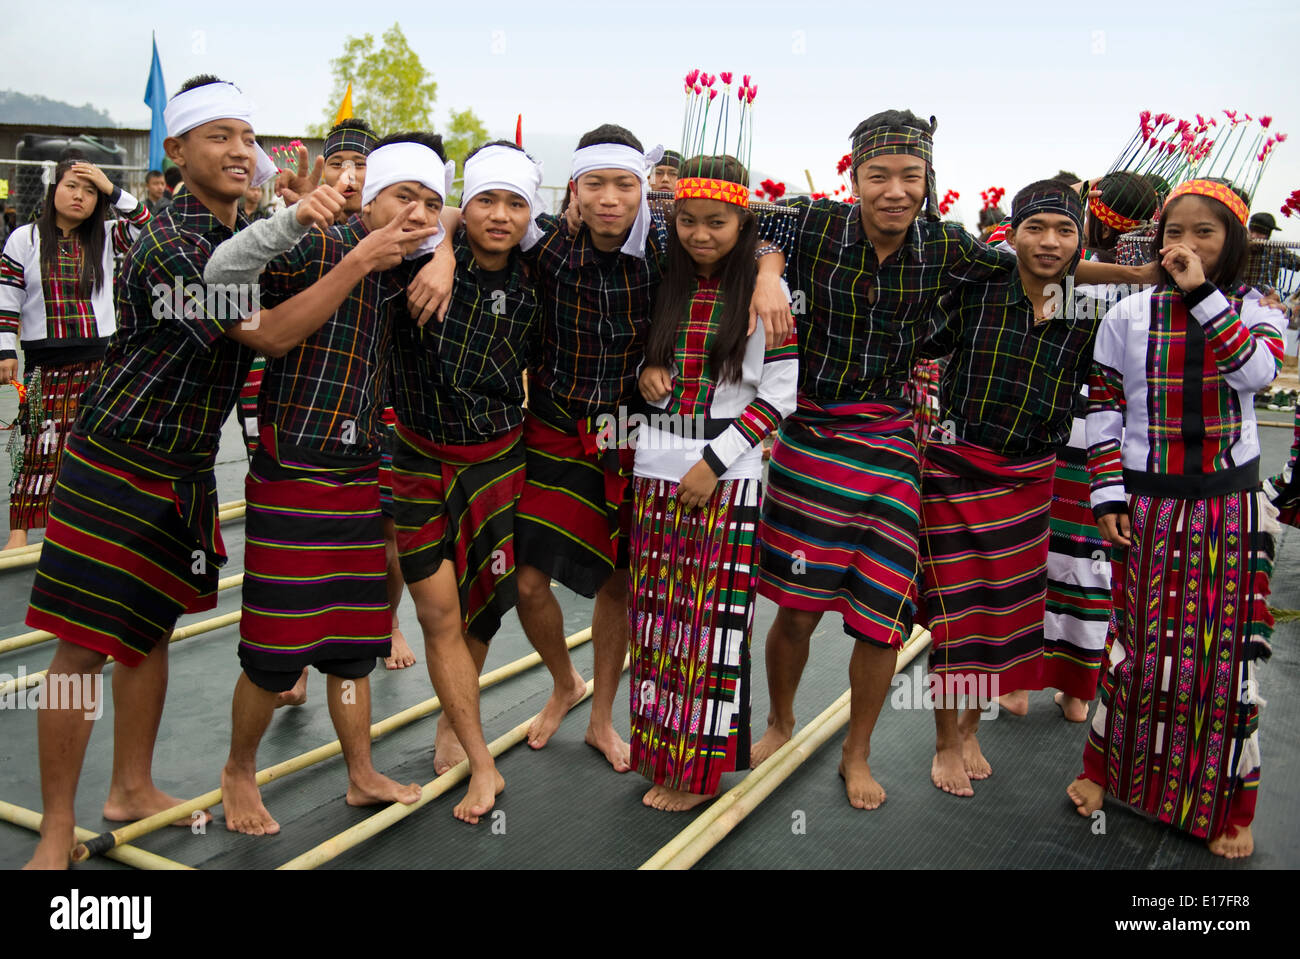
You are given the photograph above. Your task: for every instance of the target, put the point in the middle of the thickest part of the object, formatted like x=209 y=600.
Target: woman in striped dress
x=715 y=391
x=56 y=295
x=1174 y=376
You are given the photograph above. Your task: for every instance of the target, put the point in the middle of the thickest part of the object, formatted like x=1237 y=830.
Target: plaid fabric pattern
x=360 y=141
x=1011 y=382
x=170 y=376
x=864 y=321
x=123 y=235
x=69 y=313
x=327 y=394
x=460 y=382
x=595 y=315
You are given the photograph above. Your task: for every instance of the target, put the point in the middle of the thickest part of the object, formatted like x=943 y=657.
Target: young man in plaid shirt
x=133 y=540
x=840 y=518
x=314 y=588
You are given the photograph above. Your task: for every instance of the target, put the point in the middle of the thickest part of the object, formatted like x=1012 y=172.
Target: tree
x=393 y=91
x=464 y=133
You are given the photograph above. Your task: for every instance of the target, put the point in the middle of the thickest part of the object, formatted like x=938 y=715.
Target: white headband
x=501 y=168
x=215 y=101
x=617 y=156
x=409 y=162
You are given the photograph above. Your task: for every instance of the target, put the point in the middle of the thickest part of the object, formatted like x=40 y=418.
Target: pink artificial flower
x=693 y=76
x=726 y=78
x=712 y=93
x=1265 y=121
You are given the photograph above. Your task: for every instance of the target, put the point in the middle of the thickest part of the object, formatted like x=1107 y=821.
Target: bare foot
x=860 y=786
x=131 y=807
x=976 y=766
x=1073 y=708
x=296 y=696
x=447 y=751
x=401 y=656
x=1086 y=795
x=17 y=540
x=373 y=787
x=242 y=801
x=611 y=745
x=948 y=772
x=673 y=800
x=777 y=735
x=484 y=787
x=562 y=700
x=54 y=851
x=1235 y=842
x=1016 y=703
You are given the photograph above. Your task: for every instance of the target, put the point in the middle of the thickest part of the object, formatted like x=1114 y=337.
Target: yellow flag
x=345 y=108
x=4 y=189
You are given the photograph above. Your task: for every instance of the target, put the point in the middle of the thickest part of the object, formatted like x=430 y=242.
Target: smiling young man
x=314 y=590
x=458 y=465
x=840 y=519
x=133 y=540
x=1018 y=361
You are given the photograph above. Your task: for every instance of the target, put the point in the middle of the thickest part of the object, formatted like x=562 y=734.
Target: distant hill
x=18 y=107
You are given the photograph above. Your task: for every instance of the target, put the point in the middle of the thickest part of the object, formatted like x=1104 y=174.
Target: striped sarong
x=1078 y=579
x=984 y=557
x=1176 y=731
x=692 y=585
x=314 y=565
x=840 y=515
x=573 y=517
x=457 y=503
x=53 y=398
x=132 y=543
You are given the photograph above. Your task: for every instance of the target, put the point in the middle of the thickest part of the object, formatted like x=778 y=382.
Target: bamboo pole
x=368 y=828
x=96 y=845
x=130 y=855
x=29 y=555
x=37 y=636
x=722 y=816
x=185 y=632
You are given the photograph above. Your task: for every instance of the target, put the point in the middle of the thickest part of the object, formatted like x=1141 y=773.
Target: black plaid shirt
x=328 y=393
x=170 y=377
x=860 y=322
x=1011 y=385
x=460 y=382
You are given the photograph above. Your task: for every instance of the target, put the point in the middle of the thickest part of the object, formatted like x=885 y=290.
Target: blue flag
x=155 y=96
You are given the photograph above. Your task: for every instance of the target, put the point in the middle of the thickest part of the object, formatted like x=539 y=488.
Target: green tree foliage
x=393 y=91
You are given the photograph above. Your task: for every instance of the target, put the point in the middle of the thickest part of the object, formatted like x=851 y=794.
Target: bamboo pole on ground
x=184 y=632
x=708 y=829
x=100 y=844
x=30 y=554
x=368 y=828
x=37 y=636
x=130 y=855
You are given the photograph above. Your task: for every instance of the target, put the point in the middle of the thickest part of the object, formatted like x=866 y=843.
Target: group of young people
x=374 y=291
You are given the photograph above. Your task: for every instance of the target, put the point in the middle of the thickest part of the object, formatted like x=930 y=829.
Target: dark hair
x=431 y=140
x=202 y=80
x=151 y=174
x=496 y=143
x=1159 y=184
x=990 y=217
x=610 y=133
x=1231 y=268
x=1127 y=194
x=173 y=177
x=735 y=285
x=1066 y=177
x=352 y=123
x=89 y=233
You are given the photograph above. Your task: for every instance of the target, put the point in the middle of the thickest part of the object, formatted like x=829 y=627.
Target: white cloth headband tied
x=215 y=101
x=617 y=156
x=409 y=162
x=501 y=168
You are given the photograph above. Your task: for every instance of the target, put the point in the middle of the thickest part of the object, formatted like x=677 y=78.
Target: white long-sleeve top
x=722 y=423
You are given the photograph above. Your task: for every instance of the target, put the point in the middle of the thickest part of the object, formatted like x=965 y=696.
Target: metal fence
x=23 y=183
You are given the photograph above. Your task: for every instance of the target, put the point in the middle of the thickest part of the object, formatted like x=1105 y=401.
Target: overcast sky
x=1020 y=89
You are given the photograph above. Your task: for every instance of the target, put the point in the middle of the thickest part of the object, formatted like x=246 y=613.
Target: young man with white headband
x=133 y=540
x=458 y=465
x=314 y=586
